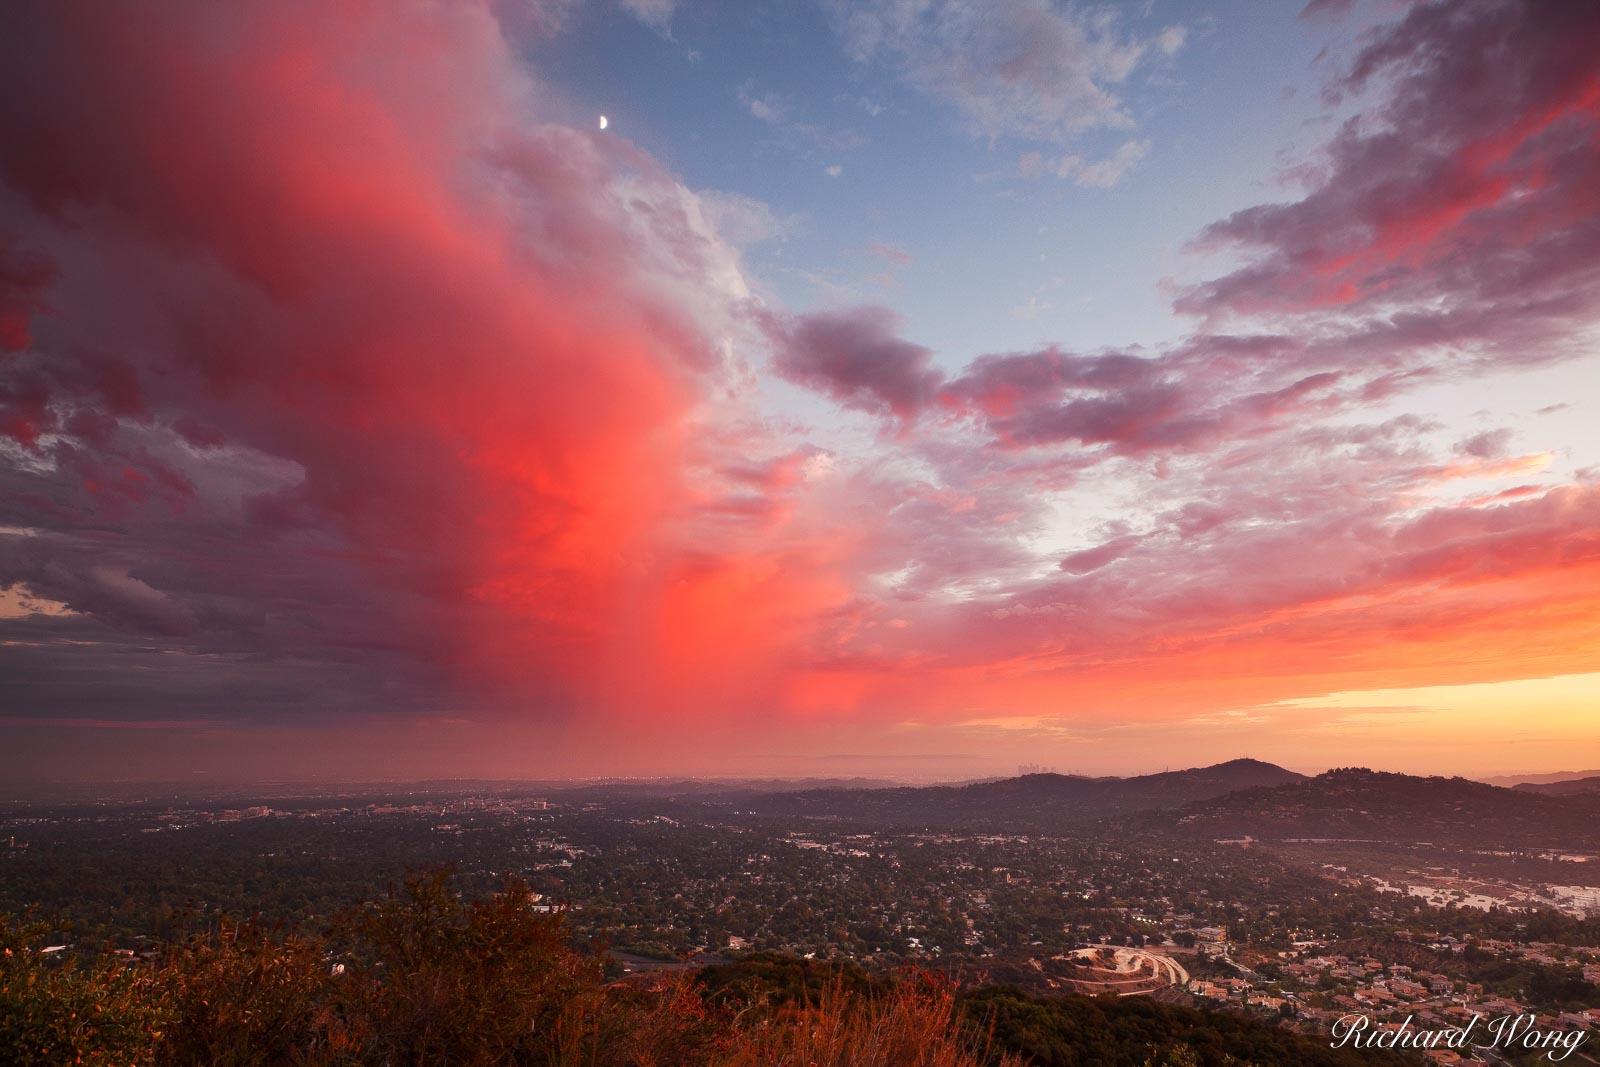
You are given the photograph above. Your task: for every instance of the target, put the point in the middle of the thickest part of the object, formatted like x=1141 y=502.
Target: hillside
x=1569 y=787
x=1030 y=802
x=1509 y=780
x=1361 y=804
x=425 y=976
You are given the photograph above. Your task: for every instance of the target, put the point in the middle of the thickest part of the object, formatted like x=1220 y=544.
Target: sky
x=894 y=388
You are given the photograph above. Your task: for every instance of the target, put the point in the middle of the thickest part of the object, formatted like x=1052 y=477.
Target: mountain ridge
x=1565 y=787
x=1546 y=778
x=1027 y=802
x=1357 y=803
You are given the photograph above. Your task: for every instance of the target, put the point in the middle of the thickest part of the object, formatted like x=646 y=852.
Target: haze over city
x=914 y=391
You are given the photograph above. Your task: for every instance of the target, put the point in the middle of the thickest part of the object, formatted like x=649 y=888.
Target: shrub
x=54 y=1012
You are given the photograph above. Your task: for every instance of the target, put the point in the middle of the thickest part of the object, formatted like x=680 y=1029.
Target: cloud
x=893 y=255
x=656 y=14
x=1488 y=445
x=1092 y=559
x=1012 y=68
x=18 y=601
x=1100 y=174
x=1461 y=209
x=446 y=410
x=408 y=407
x=744 y=220
x=1276 y=566
x=1381 y=276
x=1326 y=9
x=24 y=278
x=856 y=357
x=1133 y=404
x=111 y=724
x=795 y=135
x=767 y=107
x=1266 y=529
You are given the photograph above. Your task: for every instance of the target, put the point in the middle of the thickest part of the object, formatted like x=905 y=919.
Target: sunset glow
x=519 y=390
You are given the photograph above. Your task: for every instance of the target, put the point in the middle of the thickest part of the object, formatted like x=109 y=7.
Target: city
x=665 y=876
x=799 y=533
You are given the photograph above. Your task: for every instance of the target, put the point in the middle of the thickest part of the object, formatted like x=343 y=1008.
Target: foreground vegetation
x=425 y=976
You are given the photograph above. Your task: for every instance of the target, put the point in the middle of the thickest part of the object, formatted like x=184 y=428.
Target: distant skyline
x=893 y=389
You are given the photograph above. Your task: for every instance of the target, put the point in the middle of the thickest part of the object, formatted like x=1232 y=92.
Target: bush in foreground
x=423 y=977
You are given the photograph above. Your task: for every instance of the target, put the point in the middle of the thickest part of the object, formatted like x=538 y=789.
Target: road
x=1133 y=961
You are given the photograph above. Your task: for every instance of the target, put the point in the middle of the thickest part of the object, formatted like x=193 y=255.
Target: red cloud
x=1474 y=187
x=353 y=385
x=312 y=263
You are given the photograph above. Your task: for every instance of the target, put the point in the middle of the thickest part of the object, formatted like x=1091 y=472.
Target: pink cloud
x=856 y=357
x=339 y=382
x=429 y=359
x=1466 y=202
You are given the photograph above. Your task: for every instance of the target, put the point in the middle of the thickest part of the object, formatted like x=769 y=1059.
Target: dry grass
x=918 y=1024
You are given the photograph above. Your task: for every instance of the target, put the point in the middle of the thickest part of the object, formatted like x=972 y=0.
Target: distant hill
x=1028 y=802
x=1510 y=780
x=1360 y=804
x=709 y=787
x=1116 y=795
x=1567 y=787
